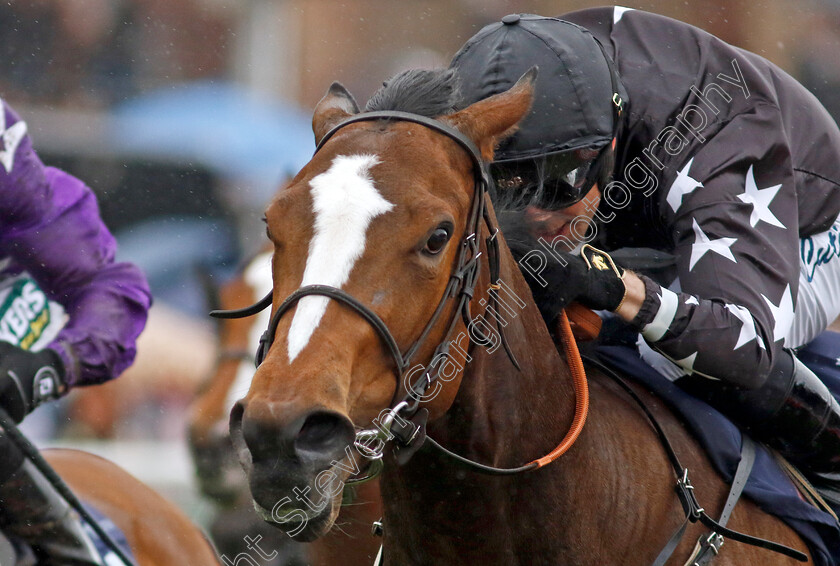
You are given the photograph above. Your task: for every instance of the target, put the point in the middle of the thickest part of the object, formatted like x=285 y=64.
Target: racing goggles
x=552 y=182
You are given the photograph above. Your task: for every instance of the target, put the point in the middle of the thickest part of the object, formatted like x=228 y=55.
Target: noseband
x=461 y=285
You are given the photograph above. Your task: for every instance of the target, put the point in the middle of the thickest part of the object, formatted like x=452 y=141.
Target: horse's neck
x=502 y=417
x=512 y=413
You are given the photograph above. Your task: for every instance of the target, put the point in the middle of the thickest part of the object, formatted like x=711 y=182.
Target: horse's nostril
x=325 y=434
x=237 y=436
x=235 y=423
x=315 y=438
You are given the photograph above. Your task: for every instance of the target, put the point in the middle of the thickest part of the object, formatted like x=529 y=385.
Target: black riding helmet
x=564 y=145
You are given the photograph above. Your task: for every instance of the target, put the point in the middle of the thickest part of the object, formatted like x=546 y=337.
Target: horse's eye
x=437 y=241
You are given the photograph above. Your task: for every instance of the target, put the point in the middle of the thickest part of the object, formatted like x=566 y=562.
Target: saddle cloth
x=109 y=557
x=768 y=486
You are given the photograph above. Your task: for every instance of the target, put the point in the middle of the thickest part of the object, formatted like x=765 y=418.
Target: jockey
x=646 y=132
x=69 y=316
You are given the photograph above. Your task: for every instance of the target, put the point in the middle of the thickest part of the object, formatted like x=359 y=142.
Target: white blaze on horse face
x=258 y=277
x=344 y=202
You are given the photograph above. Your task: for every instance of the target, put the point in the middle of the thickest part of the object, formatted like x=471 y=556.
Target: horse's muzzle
x=220 y=476
x=283 y=457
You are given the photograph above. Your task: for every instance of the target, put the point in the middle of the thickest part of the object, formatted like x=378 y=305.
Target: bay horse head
x=377 y=260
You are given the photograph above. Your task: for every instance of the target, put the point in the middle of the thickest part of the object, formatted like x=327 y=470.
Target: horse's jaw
x=304 y=507
x=301 y=523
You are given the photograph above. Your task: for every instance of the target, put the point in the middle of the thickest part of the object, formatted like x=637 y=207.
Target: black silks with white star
x=738 y=162
x=738 y=260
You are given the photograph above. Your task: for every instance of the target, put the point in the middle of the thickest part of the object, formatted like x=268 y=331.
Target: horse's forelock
x=428 y=92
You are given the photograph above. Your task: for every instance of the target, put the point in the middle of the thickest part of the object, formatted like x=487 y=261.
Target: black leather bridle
x=461 y=285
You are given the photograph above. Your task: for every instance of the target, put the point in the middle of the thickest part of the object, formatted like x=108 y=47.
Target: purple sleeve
x=51 y=227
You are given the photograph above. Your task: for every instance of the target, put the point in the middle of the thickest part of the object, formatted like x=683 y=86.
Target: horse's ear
x=336 y=105
x=489 y=121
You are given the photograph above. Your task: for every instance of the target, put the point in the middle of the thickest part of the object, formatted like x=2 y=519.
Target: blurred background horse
x=158 y=533
x=220 y=475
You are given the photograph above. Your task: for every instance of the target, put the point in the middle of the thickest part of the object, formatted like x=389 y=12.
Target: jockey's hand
x=27 y=379
x=591 y=278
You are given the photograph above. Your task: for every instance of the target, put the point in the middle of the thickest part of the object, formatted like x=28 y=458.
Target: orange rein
x=581 y=393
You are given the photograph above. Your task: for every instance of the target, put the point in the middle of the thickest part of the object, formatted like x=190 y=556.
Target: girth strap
x=708 y=545
x=685 y=491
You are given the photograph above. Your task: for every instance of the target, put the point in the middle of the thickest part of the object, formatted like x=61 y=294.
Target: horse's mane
x=428 y=92
x=434 y=93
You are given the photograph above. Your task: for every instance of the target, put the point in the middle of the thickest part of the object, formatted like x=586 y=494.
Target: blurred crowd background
x=186 y=115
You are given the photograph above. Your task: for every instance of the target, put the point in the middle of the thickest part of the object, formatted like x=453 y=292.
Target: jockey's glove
x=559 y=278
x=27 y=379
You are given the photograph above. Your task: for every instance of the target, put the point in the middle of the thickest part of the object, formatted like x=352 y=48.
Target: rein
x=575 y=363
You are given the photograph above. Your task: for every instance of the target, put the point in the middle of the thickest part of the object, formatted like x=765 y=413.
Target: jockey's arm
x=731 y=310
x=71 y=255
x=52 y=229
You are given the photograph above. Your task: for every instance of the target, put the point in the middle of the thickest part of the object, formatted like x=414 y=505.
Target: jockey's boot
x=32 y=510
x=793 y=412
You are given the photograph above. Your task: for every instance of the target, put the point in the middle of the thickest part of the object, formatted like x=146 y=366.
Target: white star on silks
x=682 y=186
x=760 y=200
x=692 y=300
x=11 y=139
x=703 y=244
x=782 y=314
x=687 y=363
x=747 y=326
x=837 y=362
x=618 y=12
